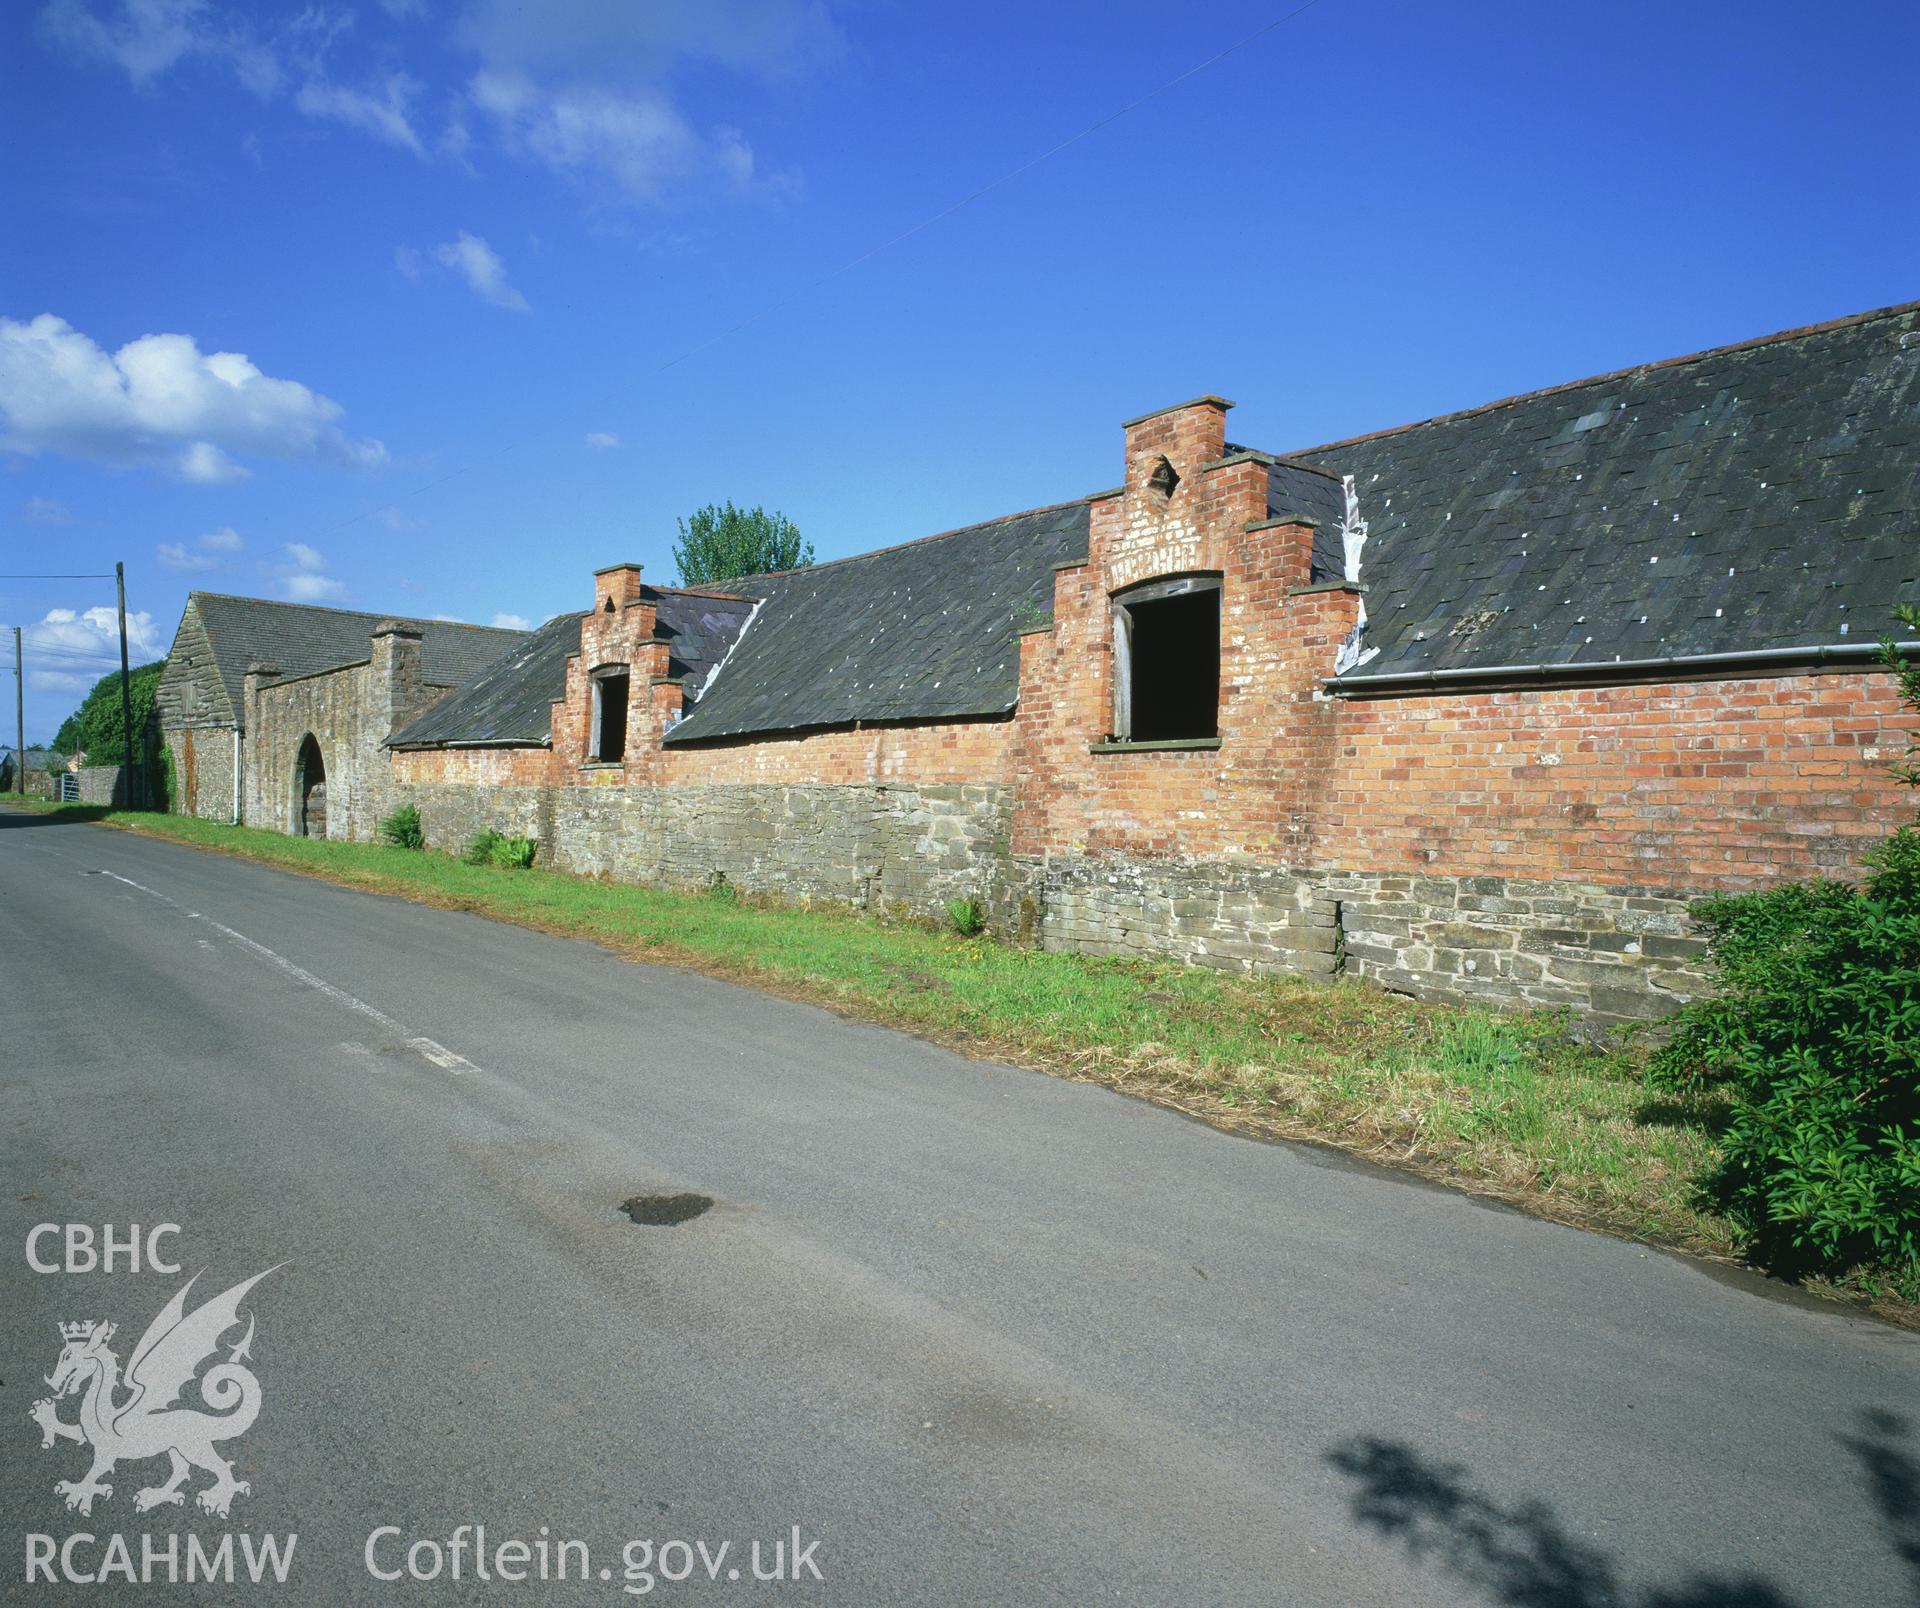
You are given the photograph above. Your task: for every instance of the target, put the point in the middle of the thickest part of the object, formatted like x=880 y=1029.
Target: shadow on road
x=69 y=815
x=1893 y=1480
x=1521 y=1553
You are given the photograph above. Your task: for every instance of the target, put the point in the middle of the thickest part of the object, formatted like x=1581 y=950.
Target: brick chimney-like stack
x=615 y=587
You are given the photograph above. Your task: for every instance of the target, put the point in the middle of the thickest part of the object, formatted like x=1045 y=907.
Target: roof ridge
x=365 y=614
x=1798 y=333
x=708 y=591
x=917 y=541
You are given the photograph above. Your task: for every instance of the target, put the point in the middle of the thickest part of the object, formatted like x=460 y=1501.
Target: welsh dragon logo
x=137 y=1419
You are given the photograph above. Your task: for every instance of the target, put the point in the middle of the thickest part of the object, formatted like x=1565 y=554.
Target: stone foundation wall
x=906 y=850
x=1611 y=953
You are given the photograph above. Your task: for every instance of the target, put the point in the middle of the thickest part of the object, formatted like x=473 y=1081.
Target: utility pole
x=19 y=717
x=126 y=680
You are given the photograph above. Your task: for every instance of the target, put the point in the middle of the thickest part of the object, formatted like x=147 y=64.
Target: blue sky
x=478 y=267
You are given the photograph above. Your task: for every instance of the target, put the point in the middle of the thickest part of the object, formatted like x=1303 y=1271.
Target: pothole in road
x=665 y=1211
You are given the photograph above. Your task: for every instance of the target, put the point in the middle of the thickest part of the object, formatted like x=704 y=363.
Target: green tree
x=95 y=728
x=721 y=543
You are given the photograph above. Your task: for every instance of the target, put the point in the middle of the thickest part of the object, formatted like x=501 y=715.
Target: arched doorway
x=310 y=791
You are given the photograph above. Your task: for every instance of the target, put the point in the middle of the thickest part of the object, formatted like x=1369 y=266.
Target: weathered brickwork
x=1533 y=847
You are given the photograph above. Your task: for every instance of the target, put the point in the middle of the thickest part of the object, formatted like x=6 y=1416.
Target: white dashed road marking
x=438 y=1054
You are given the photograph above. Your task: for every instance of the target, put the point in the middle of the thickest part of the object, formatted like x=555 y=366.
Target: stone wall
x=1614 y=953
x=349 y=712
x=197 y=720
x=904 y=849
x=203 y=761
x=103 y=784
x=337 y=708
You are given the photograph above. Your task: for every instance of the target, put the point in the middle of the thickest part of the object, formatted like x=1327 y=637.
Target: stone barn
x=1473 y=707
x=328 y=669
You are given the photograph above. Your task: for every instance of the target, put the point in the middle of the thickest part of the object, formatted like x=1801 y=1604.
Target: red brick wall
x=1687 y=786
x=1697 y=785
x=946 y=752
x=1684 y=785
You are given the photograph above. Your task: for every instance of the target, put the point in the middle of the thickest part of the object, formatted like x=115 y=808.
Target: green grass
x=1508 y=1105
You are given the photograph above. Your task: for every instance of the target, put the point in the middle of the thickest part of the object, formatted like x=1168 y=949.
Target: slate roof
x=698 y=629
x=36 y=758
x=1754 y=497
x=510 y=702
x=924 y=631
x=1316 y=494
x=302 y=639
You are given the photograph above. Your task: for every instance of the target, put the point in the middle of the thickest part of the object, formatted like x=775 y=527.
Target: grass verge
x=1510 y=1106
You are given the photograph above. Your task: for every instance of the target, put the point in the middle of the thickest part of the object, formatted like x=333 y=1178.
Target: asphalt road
x=983 y=1335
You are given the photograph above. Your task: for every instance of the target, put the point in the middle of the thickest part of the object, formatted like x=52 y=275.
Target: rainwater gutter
x=1770 y=661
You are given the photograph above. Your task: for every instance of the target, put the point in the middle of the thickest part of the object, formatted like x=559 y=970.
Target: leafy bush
x=489 y=847
x=1816 y=1038
x=721 y=890
x=402 y=828
x=514 y=853
x=967 y=916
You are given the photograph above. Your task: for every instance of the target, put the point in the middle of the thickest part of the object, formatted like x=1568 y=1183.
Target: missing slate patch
x=665 y=1211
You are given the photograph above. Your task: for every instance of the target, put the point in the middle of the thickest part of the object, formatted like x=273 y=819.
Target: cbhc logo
x=86 y=1252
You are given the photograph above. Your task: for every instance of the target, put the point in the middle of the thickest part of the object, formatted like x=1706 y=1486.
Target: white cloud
x=204 y=553
x=306 y=581
x=160 y=400
x=512 y=622
x=622 y=43
x=315 y=589
x=46 y=511
x=473 y=260
x=603 y=439
x=581 y=87
x=146 y=38
x=486 y=275
x=384 y=113
x=207 y=465
x=631 y=146
x=70 y=649
x=174 y=556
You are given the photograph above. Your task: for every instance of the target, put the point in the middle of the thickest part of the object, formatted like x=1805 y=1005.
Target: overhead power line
x=870 y=253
